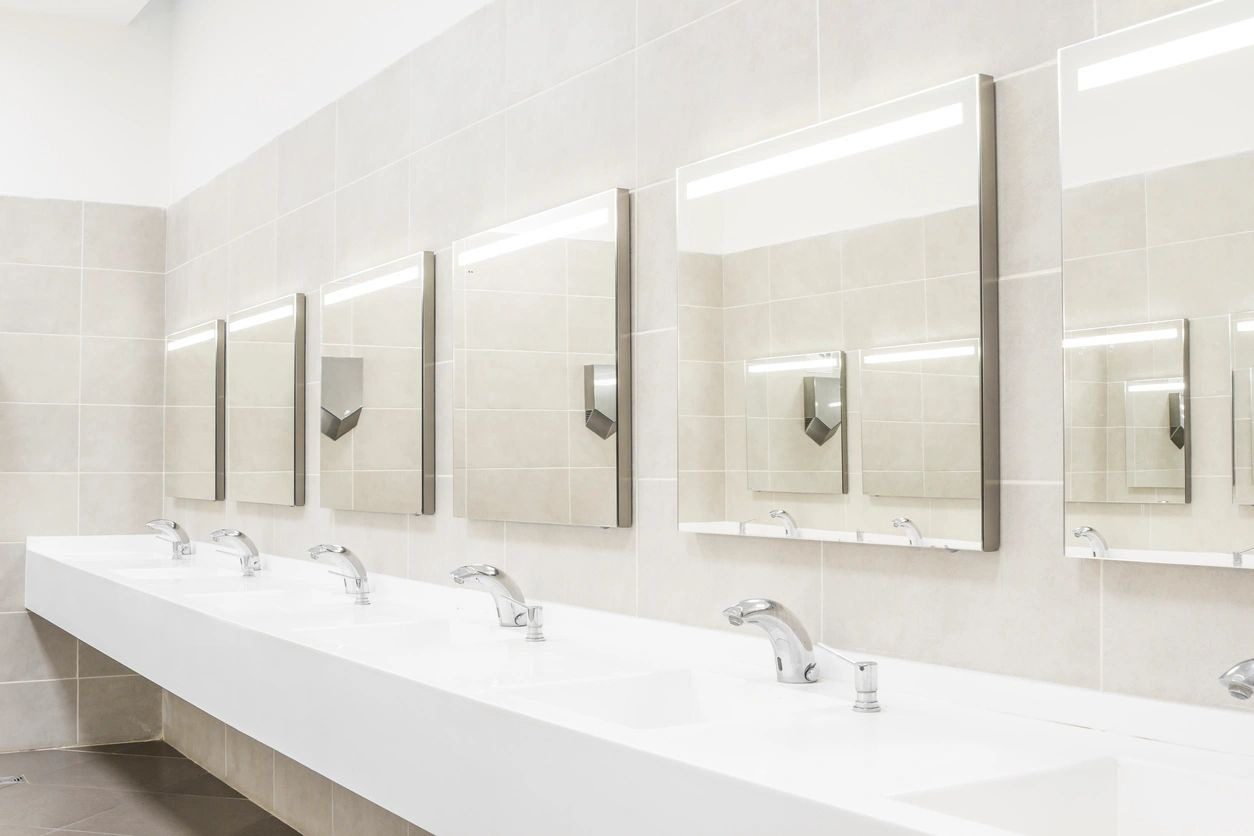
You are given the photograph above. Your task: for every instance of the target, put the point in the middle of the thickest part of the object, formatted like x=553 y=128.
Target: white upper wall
x=243 y=71
x=146 y=112
x=85 y=107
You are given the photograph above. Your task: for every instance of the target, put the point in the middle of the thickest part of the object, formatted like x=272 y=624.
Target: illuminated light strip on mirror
x=261 y=318
x=790 y=365
x=1175 y=53
x=869 y=139
x=192 y=339
x=1166 y=386
x=921 y=354
x=523 y=240
x=1122 y=339
x=1246 y=326
x=370 y=286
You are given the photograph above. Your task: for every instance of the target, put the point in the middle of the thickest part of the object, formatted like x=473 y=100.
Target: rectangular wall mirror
x=1158 y=238
x=542 y=396
x=195 y=412
x=265 y=403
x=377 y=382
x=838 y=332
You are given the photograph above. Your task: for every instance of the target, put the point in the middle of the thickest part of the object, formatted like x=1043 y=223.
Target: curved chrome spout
x=356 y=579
x=1089 y=533
x=241 y=547
x=171 y=532
x=913 y=536
x=794 y=652
x=511 y=606
x=1239 y=680
x=790 y=525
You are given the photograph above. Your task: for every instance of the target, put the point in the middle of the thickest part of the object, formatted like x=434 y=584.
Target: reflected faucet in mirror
x=356 y=579
x=241 y=546
x=794 y=652
x=169 y=531
x=1089 y=533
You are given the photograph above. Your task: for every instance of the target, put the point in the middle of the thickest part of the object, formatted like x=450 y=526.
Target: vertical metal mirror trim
x=622 y=296
x=428 y=382
x=990 y=410
x=219 y=411
x=298 y=404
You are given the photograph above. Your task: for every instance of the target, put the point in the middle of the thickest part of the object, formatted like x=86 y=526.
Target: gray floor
x=132 y=789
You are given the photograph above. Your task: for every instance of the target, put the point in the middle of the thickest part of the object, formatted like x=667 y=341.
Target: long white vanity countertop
x=620 y=725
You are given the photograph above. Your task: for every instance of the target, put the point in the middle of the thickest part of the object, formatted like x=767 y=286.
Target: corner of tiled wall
x=81 y=305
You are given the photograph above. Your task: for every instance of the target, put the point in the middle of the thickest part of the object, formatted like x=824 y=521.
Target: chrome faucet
x=1089 y=533
x=171 y=532
x=241 y=546
x=866 y=682
x=1239 y=680
x=913 y=536
x=511 y=606
x=790 y=525
x=356 y=579
x=794 y=652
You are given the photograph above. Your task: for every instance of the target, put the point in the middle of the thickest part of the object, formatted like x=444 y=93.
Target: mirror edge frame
x=990 y=396
x=623 y=373
x=427 y=429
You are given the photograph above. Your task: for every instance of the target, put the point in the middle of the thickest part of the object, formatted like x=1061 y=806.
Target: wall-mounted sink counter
x=615 y=725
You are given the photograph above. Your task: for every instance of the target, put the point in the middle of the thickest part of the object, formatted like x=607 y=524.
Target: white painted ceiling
x=120 y=12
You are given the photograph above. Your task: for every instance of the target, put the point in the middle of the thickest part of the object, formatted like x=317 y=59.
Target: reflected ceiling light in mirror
x=192 y=339
x=253 y=321
x=919 y=354
x=869 y=139
x=558 y=229
x=1160 y=386
x=791 y=365
x=371 y=286
x=1175 y=53
x=1122 y=339
x=1245 y=326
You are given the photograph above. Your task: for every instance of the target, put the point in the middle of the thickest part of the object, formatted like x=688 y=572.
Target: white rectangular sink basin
x=673 y=698
x=1106 y=797
x=176 y=573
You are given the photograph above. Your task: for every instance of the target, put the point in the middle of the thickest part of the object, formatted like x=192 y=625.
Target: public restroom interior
x=608 y=417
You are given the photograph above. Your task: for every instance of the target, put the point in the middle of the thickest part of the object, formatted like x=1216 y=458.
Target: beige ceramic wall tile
x=37 y=504
x=355 y=816
x=757 y=56
x=117 y=709
x=118 y=503
x=540 y=55
x=459 y=76
x=39 y=300
x=38 y=715
x=255 y=190
x=372 y=220
x=1104 y=217
x=34 y=231
x=124 y=237
x=302 y=797
x=35 y=649
x=12 y=577
x=458 y=185
x=39 y=369
x=253 y=268
x=121 y=304
x=41 y=438
x=119 y=371
x=305 y=256
x=587 y=567
x=806 y=267
x=1211 y=277
x=373 y=123
x=1028 y=228
x=195 y=733
x=250 y=767
x=1200 y=200
x=1105 y=290
x=573 y=140
x=888 y=253
x=306 y=160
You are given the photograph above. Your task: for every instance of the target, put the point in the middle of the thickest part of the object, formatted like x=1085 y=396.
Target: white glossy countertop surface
x=614 y=725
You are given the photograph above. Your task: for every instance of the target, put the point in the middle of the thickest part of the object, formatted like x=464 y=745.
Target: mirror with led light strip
x=195 y=412
x=265 y=402
x=377 y=389
x=838 y=332
x=1157 y=166
x=542 y=353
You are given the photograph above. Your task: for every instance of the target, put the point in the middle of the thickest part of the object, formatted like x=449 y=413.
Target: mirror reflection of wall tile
x=1158 y=226
x=383 y=318
x=266 y=402
x=537 y=302
x=195 y=412
x=798 y=247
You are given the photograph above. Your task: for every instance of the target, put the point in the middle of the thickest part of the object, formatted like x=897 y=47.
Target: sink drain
x=12 y=779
